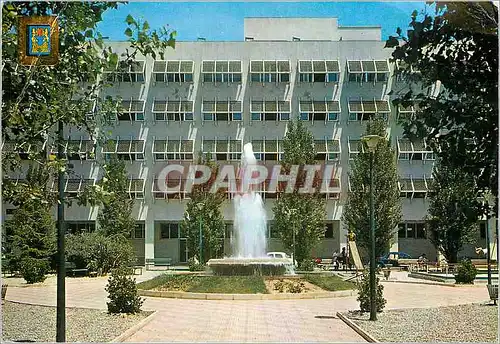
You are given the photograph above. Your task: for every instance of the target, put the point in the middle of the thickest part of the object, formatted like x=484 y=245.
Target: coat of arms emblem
x=38 y=40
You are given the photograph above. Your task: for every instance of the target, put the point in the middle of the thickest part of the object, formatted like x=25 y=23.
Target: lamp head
x=371 y=142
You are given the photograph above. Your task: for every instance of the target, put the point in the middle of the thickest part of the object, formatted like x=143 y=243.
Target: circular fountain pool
x=251 y=266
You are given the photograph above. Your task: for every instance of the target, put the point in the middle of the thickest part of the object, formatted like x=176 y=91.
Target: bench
x=71 y=270
x=158 y=262
x=408 y=264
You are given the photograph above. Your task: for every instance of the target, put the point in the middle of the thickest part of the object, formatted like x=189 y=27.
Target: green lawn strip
x=229 y=285
x=331 y=283
x=206 y=284
x=168 y=282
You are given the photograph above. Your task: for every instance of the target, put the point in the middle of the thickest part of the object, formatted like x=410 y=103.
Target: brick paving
x=181 y=320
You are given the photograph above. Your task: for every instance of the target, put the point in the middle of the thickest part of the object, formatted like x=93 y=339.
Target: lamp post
x=200 y=245
x=490 y=201
x=371 y=142
x=290 y=213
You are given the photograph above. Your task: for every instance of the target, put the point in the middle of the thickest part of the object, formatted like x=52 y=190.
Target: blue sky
x=223 y=21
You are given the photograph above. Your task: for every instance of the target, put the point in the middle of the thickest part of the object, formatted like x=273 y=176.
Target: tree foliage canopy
x=453 y=210
x=204 y=209
x=387 y=204
x=457 y=46
x=297 y=212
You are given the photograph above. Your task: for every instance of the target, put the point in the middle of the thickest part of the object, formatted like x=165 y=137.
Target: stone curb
x=214 y=296
x=134 y=329
x=368 y=337
x=436 y=283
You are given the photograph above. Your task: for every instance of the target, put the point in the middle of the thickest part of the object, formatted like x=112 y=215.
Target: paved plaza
x=246 y=321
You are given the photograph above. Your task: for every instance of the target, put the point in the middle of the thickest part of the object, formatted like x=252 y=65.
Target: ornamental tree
x=456 y=46
x=387 y=205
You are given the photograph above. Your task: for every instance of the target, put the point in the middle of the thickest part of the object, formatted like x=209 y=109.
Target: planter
x=493 y=291
x=4 y=290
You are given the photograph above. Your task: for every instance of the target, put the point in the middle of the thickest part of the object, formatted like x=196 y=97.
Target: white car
x=277 y=255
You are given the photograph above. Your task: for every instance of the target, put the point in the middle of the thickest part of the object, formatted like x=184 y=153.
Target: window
x=363 y=110
x=414 y=150
x=329 y=230
x=482 y=230
x=133 y=71
x=221 y=110
x=173 y=149
x=229 y=230
x=139 y=231
x=173 y=71
x=268 y=150
x=407 y=112
x=271 y=230
x=75 y=186
x=76 y=149
x=368 y=70
x=421 y=232
x=412 y=230
x=270 y=110
x=403 y=70
x=173 y=110
x=223 y=149
x=414 y=187
x=130 y=110
x=355 y=147
x=125 y=149
x=169 y=231
x=327 y=149
x=80 y=227
x=319 y=110
x=25 y=151
x=136 y=188
x=319 y=71
x=333 y=188
x=175 y=183
x=270 y=71
x=221 y=71
x=401 y=230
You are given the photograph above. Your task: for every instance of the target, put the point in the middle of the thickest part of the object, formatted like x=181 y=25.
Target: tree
x=204 y=209
x=35 y=98
x=453 y=210
x=30 y=233
x=456 y=45
x=387 y=206
x=114 y=216
x=299 y=216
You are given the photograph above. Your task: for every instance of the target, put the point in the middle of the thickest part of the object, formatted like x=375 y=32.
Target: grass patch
x=207 y=284
x=331 y=282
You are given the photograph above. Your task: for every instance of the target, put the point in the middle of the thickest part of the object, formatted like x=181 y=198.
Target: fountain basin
x=251 y=266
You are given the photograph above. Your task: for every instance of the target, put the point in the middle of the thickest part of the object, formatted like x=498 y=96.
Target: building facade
x=216 y=96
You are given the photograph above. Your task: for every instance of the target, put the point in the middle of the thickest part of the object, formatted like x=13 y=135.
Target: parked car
x=277 y=255
x=392 y=258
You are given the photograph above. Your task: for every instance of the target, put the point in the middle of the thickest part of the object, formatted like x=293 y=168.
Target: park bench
x=408 y=264
x=71 y=270
x=158 y=262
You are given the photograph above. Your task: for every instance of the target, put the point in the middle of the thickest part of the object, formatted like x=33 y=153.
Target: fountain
x=248 y=242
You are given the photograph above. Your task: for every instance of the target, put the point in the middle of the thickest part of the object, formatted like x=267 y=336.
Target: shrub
x=289 y=286
x=123 y=293
x=34 y=270
x=99 y=253
x=466 y=272
x=195 y=265
x=306 y=265
x=364 y=294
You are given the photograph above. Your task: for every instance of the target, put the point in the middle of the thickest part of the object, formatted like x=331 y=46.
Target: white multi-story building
x=216 y=96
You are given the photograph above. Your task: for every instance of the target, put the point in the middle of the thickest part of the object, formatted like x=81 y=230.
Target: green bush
x=122 y=292
x=99 y=253
x=195 y=265
x=289 y=286
x=34 y=270
x=466 y=272
x=306 y=265
x=364 y=294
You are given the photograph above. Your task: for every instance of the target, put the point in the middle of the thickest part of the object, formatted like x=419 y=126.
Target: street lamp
x=490 y=201
x=371 y=142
